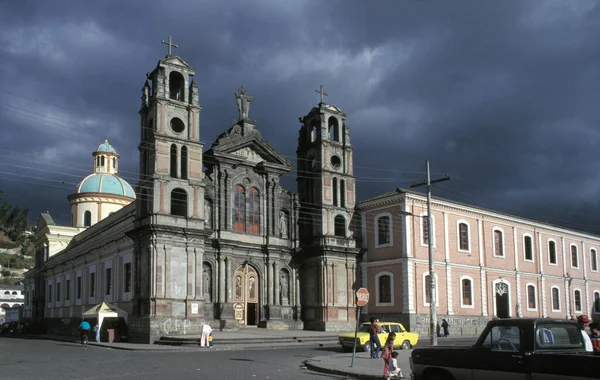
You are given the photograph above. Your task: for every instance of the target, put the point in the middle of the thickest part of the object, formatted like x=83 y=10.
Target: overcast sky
x=500 y=95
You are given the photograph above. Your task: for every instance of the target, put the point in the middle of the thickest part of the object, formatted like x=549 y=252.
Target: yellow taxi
x=404 y=339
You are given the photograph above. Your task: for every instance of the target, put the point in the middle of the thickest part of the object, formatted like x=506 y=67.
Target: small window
x=108 y=281
x=597 y=302
x=68 y=290
x=498 y=243
x=593 y=260
x=531 y=297
x=179 y=204
x=467 y=292
x=552 y=252
x=177 y=125
x=339 y=226
x=49 y=293
x=79 y=287
x=127 y=277
x=463 y=232
x=528 y=243
x=87 y=218
x=58 y=292
x=555 y=299
x=383 y=230
x=385 y=288
x=92 y=284
x=335 y=191
x=577 y=300
x=574 y=257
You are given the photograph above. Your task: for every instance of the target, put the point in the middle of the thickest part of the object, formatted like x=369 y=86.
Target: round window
x=336 y=162
x=177 y=125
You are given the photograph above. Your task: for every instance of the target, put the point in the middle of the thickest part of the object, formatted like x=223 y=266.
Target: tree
x=13 y=221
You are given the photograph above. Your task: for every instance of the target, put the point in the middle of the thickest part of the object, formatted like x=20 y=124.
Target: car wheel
x=367 y=347
x=405 y=345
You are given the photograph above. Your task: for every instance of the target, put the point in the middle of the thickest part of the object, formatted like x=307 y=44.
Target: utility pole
x=432 y=297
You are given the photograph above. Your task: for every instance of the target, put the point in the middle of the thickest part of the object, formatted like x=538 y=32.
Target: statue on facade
x=206 y=282
x=283 y=225
x=238 y=287
x=243 y=102
x=283 y=285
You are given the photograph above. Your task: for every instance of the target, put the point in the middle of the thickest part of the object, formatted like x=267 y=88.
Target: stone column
x=277 y=299
x=269 y=282
x=276 y=207
x=297 y=288
x=229 y=281
x=221 y=279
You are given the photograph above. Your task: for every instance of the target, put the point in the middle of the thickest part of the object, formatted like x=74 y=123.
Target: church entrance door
x=245 y=298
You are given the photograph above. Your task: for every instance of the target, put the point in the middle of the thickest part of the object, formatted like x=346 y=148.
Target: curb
x=333 y=371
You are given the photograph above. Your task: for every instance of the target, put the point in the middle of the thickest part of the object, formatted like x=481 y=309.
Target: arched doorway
x=246 y=295
x=502 y=299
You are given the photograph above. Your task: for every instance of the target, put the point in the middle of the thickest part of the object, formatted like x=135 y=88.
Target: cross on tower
x=321 y=92
x=170 y=44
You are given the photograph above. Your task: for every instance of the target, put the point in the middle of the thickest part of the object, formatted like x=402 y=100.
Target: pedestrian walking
x=595 y=335
x=582 y=322
x=445 y=327
x=206 y=332
x=386 y=355
x=374 y=329
x=97 y=332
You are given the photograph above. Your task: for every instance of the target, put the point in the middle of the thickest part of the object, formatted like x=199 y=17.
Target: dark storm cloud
x=500 y=95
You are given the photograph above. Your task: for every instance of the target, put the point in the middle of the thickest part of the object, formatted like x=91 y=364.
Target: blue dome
x=106 y=184
x=105 y=147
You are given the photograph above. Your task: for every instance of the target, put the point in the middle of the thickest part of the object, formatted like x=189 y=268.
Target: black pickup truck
x=510 y=349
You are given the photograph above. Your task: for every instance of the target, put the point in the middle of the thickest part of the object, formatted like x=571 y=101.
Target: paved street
x=32 y=359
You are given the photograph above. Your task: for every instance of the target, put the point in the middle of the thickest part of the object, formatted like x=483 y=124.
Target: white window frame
x=431 y=229
x=532 y=248
x=437 y=293
x=535 y=296
x=391 y=228
x=555 y=251
x=377 y=277
x=501 y=242
x=458 y=223
x=463 y=305
x=552 y=299
x=595 y=251
x=580 y=299
x=571 y=255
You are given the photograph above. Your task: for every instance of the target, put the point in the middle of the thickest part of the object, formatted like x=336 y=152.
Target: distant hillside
x=5 y=242
x=15 y=259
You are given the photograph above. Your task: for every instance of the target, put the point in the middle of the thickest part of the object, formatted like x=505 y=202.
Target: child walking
x=395 y=370
x=386 y=355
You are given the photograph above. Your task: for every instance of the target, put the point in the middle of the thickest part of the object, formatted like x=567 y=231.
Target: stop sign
x=362 y=297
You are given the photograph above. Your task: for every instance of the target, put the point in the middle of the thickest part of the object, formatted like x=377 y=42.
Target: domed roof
x=105 y=147
x=107 y=184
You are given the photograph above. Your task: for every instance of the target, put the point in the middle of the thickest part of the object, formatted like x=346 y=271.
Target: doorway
x=502 y=300
x=246 y=295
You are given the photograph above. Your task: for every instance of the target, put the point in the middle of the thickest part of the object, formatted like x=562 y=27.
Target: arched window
x=87 y=218
x=552 y=252
x=385 y=289
x=574 y=257
x=342 y=193
x=463 y=236
x=184 y=162
x=466 y=291
x=383 y=230
x=593 y=260
x=334 y=129
x=179 y=202
x=173 y=171
x=313 y=131
x=114 y=161
x=340 y=226
x=239 y=209
x=555 y=298
x=176 y=86
x=528 y=247
x=498 y=243
x=531 y=297
x=335 y=192
x=254 y=212
x=577 y=300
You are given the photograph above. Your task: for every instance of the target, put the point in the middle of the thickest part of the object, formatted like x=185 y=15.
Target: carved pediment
x=249 y=154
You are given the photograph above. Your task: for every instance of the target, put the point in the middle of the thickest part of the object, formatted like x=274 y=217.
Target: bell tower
x=170 y=149
x=169 y=230
x=326 y=186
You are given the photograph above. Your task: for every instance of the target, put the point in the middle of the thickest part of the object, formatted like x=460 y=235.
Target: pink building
x=486 y=264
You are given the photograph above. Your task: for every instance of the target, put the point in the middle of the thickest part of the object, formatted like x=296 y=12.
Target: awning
x=104 y=310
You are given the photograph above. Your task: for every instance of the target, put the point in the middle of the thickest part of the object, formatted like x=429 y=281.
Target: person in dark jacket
x=446 y=327
x=374 y=329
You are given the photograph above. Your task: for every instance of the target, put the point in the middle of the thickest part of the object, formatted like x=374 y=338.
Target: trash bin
x=111 y=335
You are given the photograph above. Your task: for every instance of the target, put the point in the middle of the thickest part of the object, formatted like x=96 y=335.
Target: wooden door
x=246 y=295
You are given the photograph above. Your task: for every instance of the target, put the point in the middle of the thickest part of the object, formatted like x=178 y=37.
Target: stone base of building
x=419 y=323
x=335 y=326
x=281 y=324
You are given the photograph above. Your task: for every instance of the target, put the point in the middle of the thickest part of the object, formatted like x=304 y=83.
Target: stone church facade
x=212 y=236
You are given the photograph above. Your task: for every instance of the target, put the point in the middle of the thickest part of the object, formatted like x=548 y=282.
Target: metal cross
x=320 y=91
x=170 y=44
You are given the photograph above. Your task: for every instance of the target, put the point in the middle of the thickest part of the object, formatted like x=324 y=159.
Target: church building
x=209 y=235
